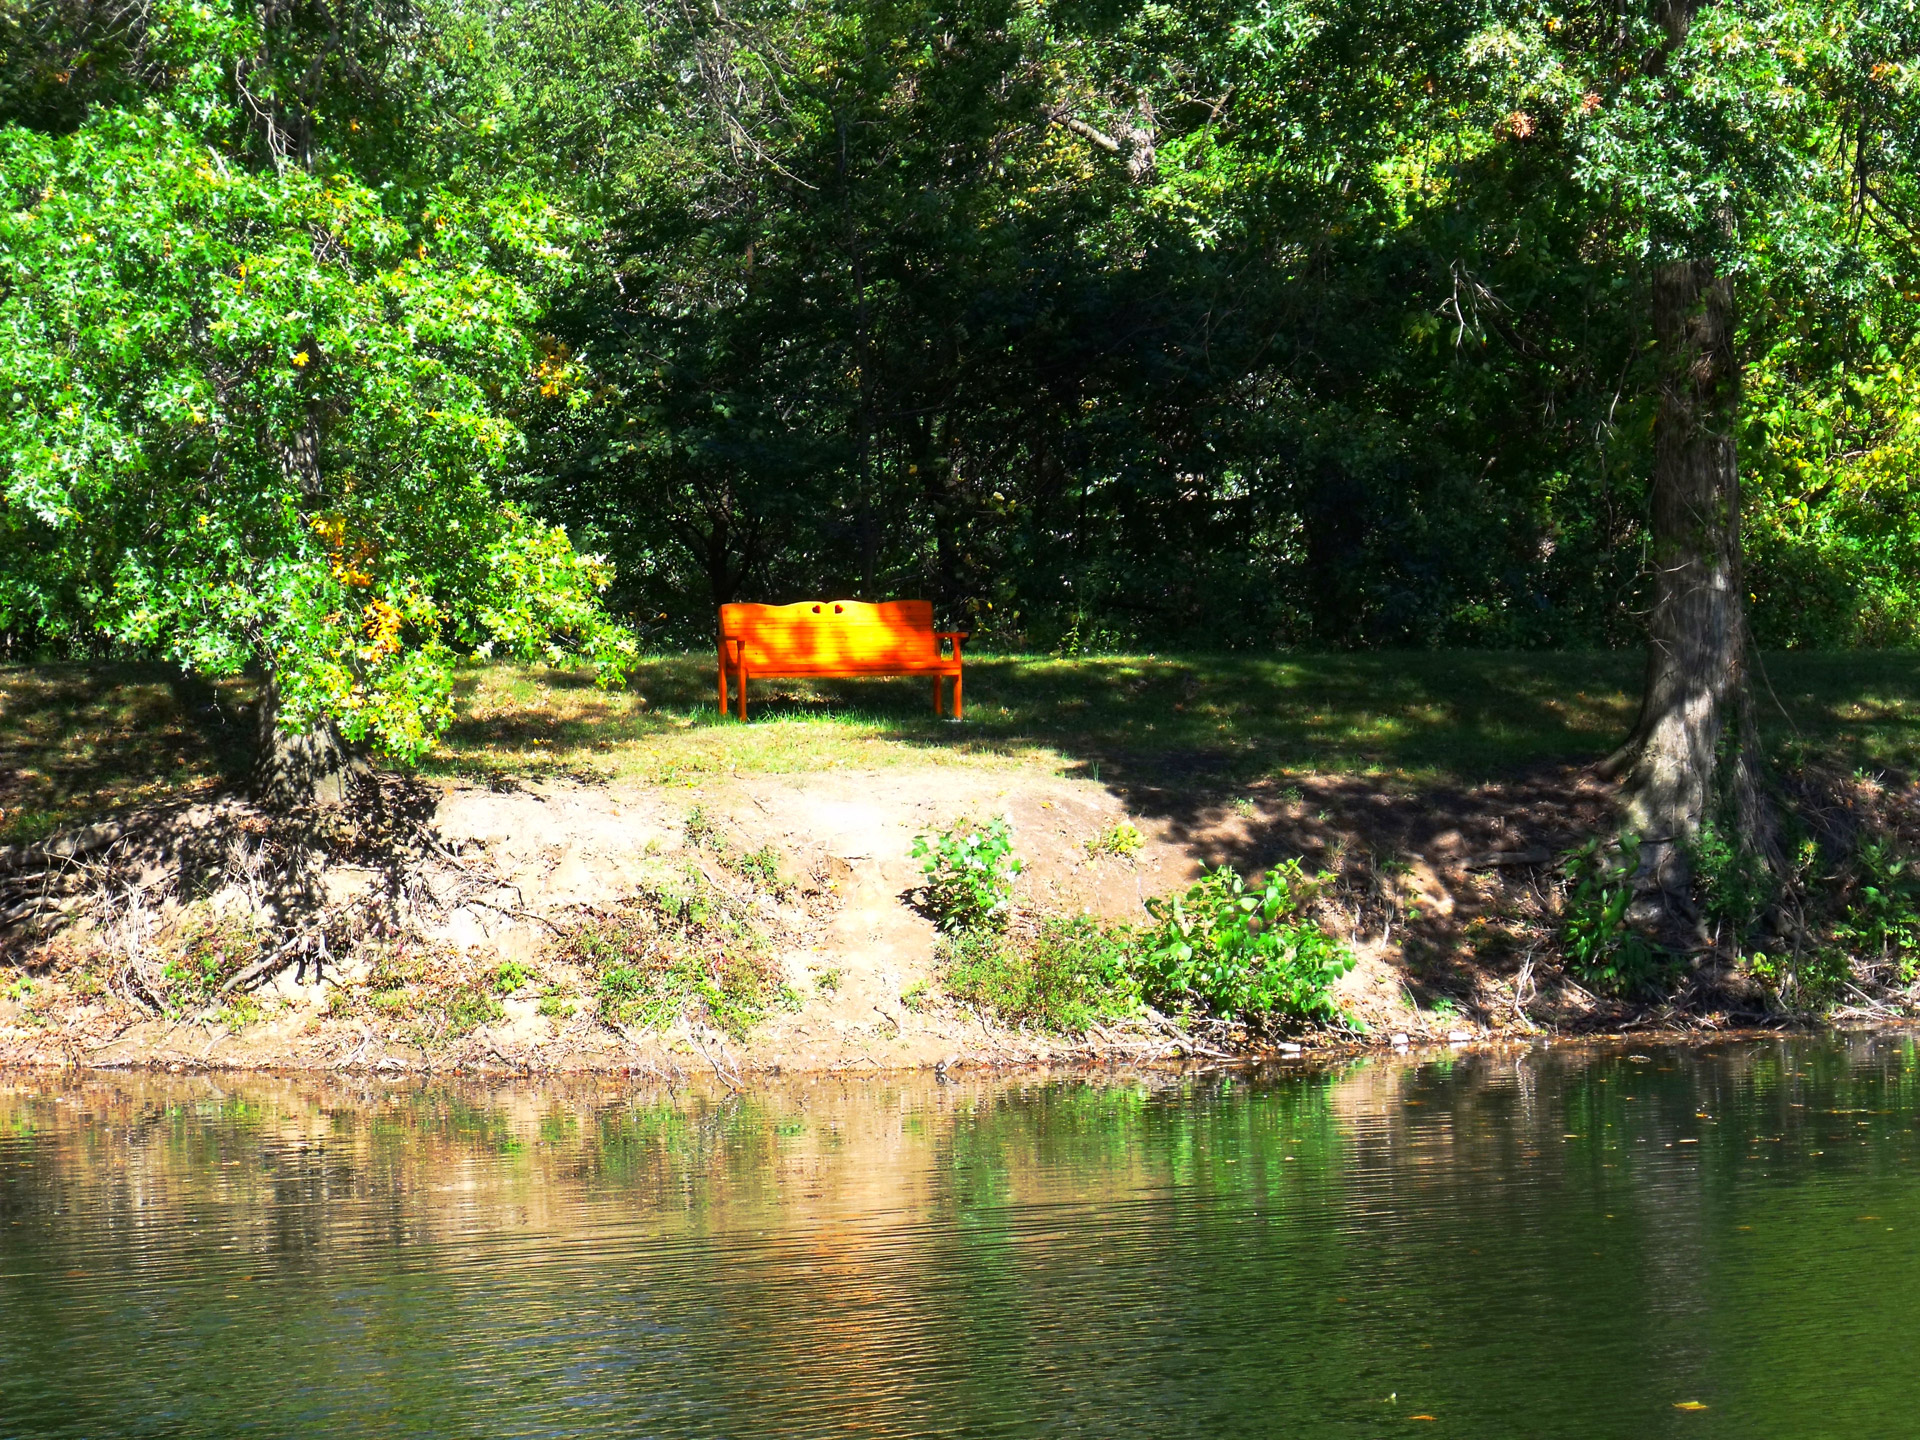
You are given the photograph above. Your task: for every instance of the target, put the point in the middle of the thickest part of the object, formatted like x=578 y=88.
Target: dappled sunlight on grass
x=1417 y=716
x=80 y=740
x=77 y=741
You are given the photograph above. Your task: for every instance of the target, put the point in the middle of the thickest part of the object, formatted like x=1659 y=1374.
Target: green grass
x=1419 y=718
x=78 y=741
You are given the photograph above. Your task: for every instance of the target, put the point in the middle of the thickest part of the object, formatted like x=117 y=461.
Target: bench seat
x=834 y=638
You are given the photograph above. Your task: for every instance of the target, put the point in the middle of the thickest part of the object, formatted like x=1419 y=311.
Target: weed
x=664 y=954
x=1735 y=885
x=207 y=951
x=1882 y=924
x=827 y=981
x=1228 y=949
x=1121 y=840
x=433 y=995
x=511 y=975
x=465 y=1009
x=701 y=830
x=1604 y=953
x=1071 y=973
x=761 y=866
x=970 y=870
x=916 y=996
x=556 y=1003
x=241 y=1011
x=1812 y=979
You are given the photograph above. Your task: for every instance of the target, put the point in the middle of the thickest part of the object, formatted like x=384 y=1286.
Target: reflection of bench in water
x=834 y=638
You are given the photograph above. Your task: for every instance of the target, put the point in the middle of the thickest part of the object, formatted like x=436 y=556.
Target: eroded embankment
x=742 y=925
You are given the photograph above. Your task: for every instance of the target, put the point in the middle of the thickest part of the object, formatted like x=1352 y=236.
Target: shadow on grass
x=77 y=741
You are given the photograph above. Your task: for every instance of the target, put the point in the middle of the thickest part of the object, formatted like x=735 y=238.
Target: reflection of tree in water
x=1485 y=1237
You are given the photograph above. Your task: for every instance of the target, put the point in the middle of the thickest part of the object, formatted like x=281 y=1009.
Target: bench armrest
x=951 y=634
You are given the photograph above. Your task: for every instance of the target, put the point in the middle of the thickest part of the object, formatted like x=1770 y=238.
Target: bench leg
x=723 y=685
x=956 y=694
x=741 y=674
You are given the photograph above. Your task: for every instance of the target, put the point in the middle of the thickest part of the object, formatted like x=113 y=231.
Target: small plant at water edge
x=1230 y=949
x=667 y=953
x=1067 y=974
x=970 y=870
x=1603 y=952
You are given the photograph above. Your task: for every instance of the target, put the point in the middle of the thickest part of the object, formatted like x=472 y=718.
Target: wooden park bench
x=834 y=638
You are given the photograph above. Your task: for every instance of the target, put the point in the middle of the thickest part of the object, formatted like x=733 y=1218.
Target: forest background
x=1202 y=324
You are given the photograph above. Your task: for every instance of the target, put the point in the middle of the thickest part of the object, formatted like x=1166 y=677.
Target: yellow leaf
x=300 y=359
x=1688 y=1405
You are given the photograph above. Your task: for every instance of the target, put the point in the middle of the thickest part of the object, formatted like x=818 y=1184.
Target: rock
x=1459 y=1037
x=1399 y=1040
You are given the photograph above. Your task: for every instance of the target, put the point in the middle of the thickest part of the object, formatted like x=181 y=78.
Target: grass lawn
x=79 y=740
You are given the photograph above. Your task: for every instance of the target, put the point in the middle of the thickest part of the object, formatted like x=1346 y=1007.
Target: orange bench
x=834 y=637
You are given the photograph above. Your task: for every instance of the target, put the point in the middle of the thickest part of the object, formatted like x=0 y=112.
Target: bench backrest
x=831 y=636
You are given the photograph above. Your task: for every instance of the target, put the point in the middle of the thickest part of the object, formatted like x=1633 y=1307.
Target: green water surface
x=1548 y=1243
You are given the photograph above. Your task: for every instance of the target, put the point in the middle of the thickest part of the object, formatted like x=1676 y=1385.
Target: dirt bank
x=428 y=929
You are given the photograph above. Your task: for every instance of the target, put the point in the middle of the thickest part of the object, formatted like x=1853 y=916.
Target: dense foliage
x=1207 y=322
x=255 y=413
x=1211 y=322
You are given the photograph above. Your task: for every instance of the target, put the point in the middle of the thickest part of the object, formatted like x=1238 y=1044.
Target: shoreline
x=1058 y=1057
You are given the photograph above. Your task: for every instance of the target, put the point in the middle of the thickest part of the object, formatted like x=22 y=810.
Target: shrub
x=970 y=870
x=1227 y=949
x=1603 y=952
x=1070 y=973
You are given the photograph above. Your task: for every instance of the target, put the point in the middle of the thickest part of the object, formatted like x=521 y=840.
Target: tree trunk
x=1693 y=750
x=311 y=767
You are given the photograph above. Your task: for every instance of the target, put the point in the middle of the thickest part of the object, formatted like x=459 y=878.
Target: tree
x=251 y=418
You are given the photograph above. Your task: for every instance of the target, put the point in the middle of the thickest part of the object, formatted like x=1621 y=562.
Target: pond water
x=1553 y=1243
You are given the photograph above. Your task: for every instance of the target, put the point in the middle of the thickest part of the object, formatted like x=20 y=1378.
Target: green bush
x=970 y=870
x=1736 y=888
x=1071 y=973
x=1881 y=925
x=1603 y=952
x=1226 y=949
